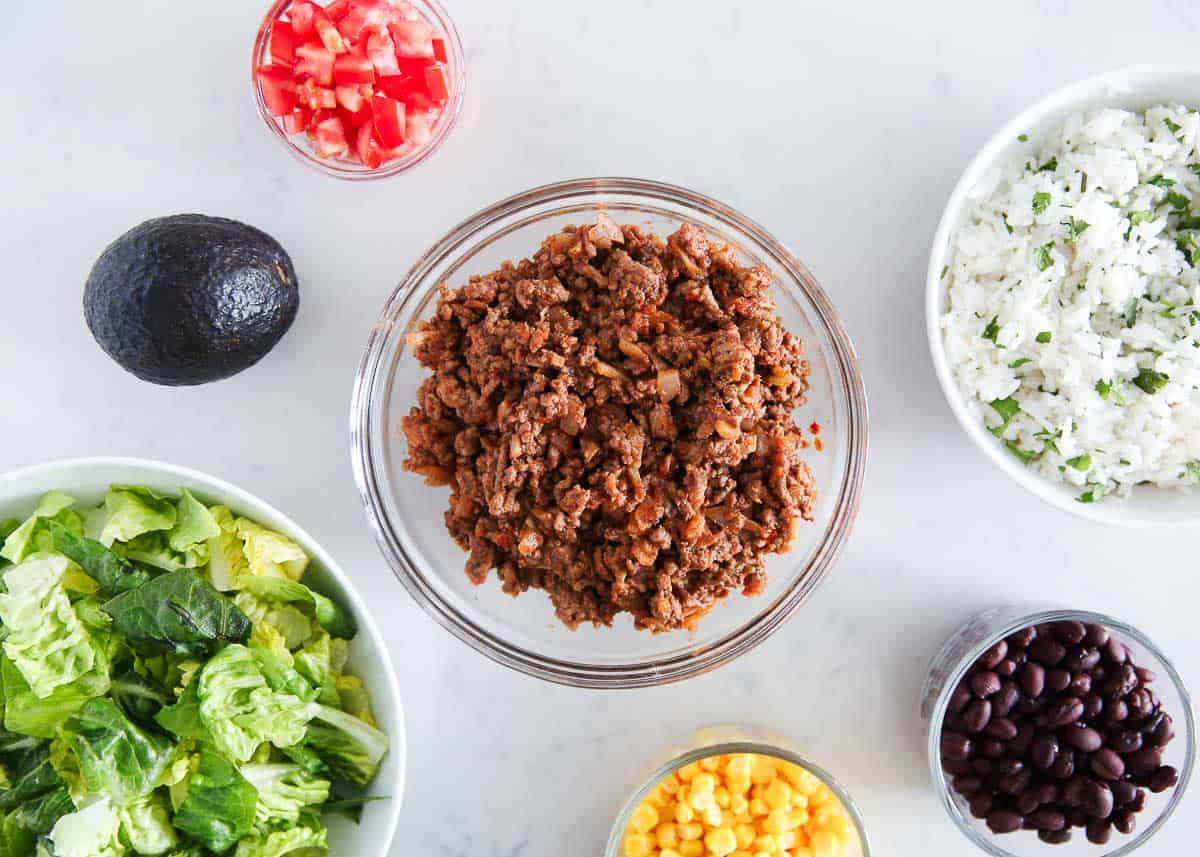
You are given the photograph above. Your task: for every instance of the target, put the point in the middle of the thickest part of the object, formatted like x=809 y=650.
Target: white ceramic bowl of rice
x=1059 y=305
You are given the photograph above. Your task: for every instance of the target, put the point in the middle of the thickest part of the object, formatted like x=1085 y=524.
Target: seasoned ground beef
x=614 y=420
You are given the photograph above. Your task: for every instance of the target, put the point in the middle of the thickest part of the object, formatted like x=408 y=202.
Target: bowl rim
x=646 y=672
x=1056 y=101
x=1038 y=616
x=397 y=737
x=344 y=170
x=724 y=748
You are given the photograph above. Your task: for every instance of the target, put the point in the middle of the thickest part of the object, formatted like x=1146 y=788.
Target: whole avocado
x=189 y=299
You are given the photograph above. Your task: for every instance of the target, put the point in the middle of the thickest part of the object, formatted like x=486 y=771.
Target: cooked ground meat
x=614 y=420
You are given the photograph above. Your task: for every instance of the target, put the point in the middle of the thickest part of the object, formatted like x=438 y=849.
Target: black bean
x=983 y=767
x=1002 y=728
x=954 y=767
x=980 y=804
x=1064 y=711
x=1140 y=703
x=1045 y=792
x=1099 y=831
x=1044 y=751
x=959 y=698
x=1093 y=704
x=1005 y=699
x=1082 y=658
x=1107 y=765
x=1123 y=792
x=1083 y=738
x=1033 y=678
x=1139 y=801
x=967 y=785
x=1113 y=651
x=984 y=684
x=955 y=746
x=993 y=656
x=1004 y=821
x=977 y=715
x=1097 y=799
x=1115 y=710
x=990 y=747
x=1120 y=682
x=1072 y=792
x=1019 y=745
x=1058 y=679
x=1027 y=802
x=1047 y=651
x=1054 y=837
x=1015 y=783
x=1126 y=741
x=1021 y=639
x=1048 y=819
x=1163 y=778
x=1064 y=765
x=1081 y=685
x=1145 y=761
x=1005 y=668
x=1029 y=704
x=1146 y=676
x=1124 y=821
x=1070 y=631
x=1163 y=730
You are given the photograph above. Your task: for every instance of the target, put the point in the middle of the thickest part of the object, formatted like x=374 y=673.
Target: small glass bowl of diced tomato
x=359 y=89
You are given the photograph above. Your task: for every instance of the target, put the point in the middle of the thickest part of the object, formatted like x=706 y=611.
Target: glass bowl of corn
x=733 y=795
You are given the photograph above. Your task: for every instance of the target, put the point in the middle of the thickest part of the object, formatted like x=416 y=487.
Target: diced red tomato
x=301 y=15
x=329 y=138
x=282 y=44
x=353 y=121
x=318 y=117
x=414 y=66
x=353 y=68
x=389 y=120
x=400 y=86
x=350 y=96
x=315 y=61
x=439 y=50
x=328 y=31
x=278 y=89
x=297 y=123
x=412 y=38
x=337 y=9
x=370 y=152
x=382 y=52
x=419 y=126
x=316 y=97
x=437 y=84
x=366 y=14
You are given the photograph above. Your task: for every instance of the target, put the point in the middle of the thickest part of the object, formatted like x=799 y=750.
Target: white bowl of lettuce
x=184 y=672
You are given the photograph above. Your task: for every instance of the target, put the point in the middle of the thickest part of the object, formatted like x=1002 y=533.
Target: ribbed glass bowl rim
x=844 y=367
x=613 y=848
x=1036 y=618
x=343 y=170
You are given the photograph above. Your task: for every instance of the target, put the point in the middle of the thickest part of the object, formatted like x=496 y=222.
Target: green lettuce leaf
x=133 y=510
x=140 y=697
x=28 y=714
x=117 y=758
x=355 y=699
x=316 y=663
x=269 y=553
x=178 y=612
x=183 y=718
x=46 y=640
x=291 y=623
x=335 y=620
x=241 y=711
x=280 y=842
x=146 y=826
x=113 y=573
x=283 y=791
x=93 y=831
x=194 y=524
x=217 y=808
x=154 y=550
x=352 y=748
x=282 y=677
x=39 y=815
x=30 y=772
x=227 y=561
x=22 y=541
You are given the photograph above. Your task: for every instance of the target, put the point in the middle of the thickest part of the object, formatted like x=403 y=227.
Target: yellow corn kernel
x=700 y=801
x=762 y=770
x=737 y=785
x=713 y=816
x=799 y=801
x=778 y=794
x=688 y=832
x=741 y=853
x=844 y=828
x=776 y=822
x=759 y=807
x=712 y=763
x=686 y=773
x=786 y=840
x=721 y=841
x=738 y=805
x=644 y=818
x=684 y=813
x=825 y=844
x=823 y=818
x=739 y=766
x=704 y=783
x=766 y=843
x=656 y=798
x=802 y=851
x=666 y=836
x=744 y=834
x=721 y=794
x=756 y=791
x=669 y=852
x=760 y=854
x=691 y=848
x=670 y=785
x=638 y=845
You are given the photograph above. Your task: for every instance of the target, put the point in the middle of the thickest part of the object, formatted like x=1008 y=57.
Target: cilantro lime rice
x=1073 y=321
x=170 y=686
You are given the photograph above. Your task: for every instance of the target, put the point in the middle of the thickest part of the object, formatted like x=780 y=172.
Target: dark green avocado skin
x=189 y=299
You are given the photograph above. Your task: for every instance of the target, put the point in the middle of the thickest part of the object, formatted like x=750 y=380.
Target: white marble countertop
x=839 y=126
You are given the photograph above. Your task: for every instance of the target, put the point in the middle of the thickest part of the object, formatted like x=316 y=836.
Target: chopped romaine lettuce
x=93 y=831
x=216 y=804
x=283 y=791
x=133 y=510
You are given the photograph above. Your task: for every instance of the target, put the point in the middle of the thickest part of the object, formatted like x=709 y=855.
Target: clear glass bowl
x=982 y=632
x=523 y=633
x=300 y=147
x=720 y=741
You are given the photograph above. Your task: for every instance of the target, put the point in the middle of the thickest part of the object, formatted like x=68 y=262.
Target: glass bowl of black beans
x=1054 y=727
